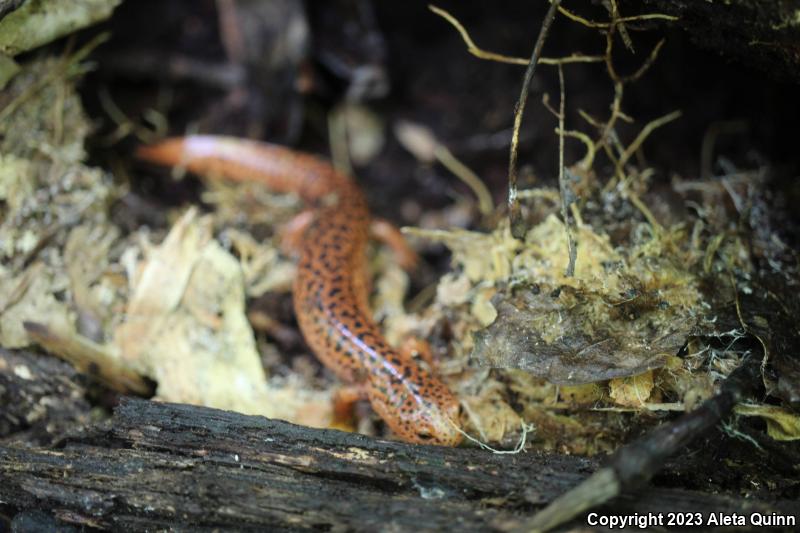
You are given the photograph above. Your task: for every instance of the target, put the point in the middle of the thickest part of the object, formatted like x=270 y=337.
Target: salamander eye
x=423 y=436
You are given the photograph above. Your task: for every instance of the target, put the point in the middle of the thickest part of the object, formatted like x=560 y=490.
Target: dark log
x=8 y=6
x=156 y=465
x=763 y=35
x=40 y=397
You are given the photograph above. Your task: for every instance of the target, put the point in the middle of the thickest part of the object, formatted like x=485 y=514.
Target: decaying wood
x=760 y=34
x=156 y=465
x=40 y=397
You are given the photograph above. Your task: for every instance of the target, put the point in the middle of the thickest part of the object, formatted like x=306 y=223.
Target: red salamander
x=331 y=287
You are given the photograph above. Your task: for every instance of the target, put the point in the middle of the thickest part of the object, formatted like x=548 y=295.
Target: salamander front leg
x=292 y=233
x=387 y=233
x=416 y=348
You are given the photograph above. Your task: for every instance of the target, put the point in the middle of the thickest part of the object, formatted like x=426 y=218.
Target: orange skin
x=331 y=288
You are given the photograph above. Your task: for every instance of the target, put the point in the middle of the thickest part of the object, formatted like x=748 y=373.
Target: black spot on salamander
x=388 y=373
x=367 y=337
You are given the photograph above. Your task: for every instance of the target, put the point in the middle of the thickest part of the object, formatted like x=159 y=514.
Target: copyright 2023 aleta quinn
x=647 y=520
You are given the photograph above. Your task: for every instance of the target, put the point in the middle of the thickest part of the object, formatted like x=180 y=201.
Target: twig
x=611 y=5
x=640 y=138
x=566 y=192
x=231 y=32
x=88 y=357
x=637 y=202
x=154 y=64
x=64 y=68
x=338 y=135
x=523 y=438
x=615 y=113
x=635 y=464
x=588 y=159
x=124 y=125
x=515 y=217
x=647 y=64
x=465 y=174
x=547 y=194
x=421 y=142
x=627 y=153
x=634 y=18
x=480 y=53
x=18 y=291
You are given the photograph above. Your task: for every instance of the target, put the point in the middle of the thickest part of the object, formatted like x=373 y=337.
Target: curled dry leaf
x=620 y=315
x=632 y=391
x=560 y=339
x=782 y=424
x=186 y=329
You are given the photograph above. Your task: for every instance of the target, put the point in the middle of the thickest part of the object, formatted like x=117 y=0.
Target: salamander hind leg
x=344 y=400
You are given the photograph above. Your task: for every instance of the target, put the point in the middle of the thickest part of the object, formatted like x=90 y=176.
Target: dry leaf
x=632 y=391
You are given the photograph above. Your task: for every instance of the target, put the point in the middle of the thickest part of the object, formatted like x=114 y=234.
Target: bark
x=156 y=465
x=764 y=35
x=40 y=398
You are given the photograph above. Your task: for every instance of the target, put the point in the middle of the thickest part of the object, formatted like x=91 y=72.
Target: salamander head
x=419 y=409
